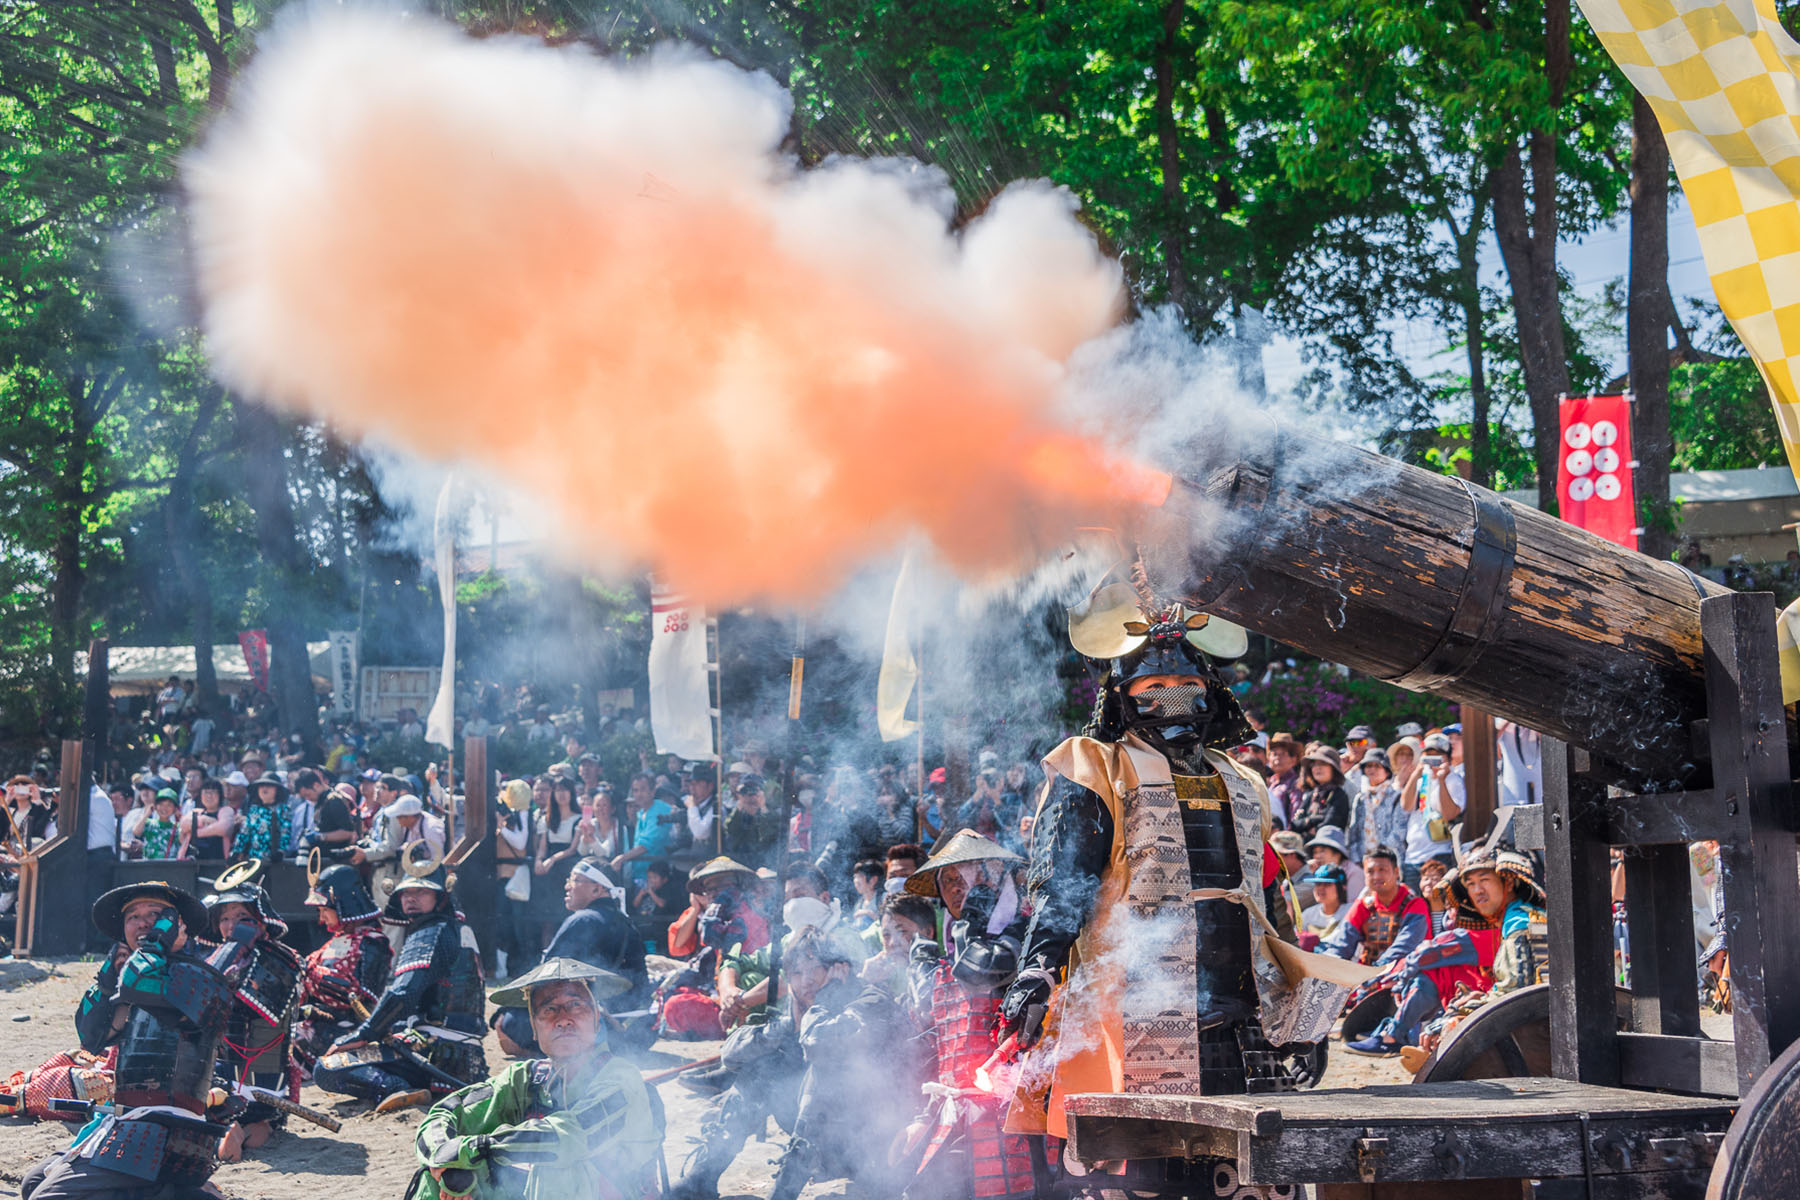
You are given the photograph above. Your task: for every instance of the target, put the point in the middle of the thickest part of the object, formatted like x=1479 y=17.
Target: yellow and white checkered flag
x=1723 y=78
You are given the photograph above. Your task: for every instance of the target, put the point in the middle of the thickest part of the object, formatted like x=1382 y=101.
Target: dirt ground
x=37 y=1007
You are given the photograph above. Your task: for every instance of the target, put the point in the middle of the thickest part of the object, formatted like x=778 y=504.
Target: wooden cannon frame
x=1649 y=1110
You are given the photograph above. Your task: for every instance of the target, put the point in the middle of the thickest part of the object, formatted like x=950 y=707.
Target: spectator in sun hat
x=162 y=830
x=1329 y=888
x=931 y=806
x=1328 y=848
x=1357 y=742
x=1284 y=779
x=253 y=763
x=1323 y=800
x=752 y=833
x=1435 y=804
x=1290 y=849
x=237 y=790
x=1377 y=816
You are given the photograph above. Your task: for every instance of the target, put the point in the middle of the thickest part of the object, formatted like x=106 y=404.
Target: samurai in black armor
x=255 y=1054
x=166 y=1010
x=341 y=980
x=423 y=1035
x=1151 y=889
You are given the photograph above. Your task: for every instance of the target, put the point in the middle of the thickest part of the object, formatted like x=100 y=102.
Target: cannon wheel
x=1505 y=1039
x=1761 y=1153
x=1361 y=1021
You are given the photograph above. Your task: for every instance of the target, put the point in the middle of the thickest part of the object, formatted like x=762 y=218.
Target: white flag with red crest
x=681 y=714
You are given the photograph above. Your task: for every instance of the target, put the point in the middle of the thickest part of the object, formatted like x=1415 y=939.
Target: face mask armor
x=1140 y=640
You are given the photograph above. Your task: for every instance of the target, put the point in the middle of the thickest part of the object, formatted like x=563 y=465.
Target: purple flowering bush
x=1314 y=702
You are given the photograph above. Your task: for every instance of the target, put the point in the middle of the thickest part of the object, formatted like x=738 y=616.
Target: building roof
x=151 y=665
x=1707 y=487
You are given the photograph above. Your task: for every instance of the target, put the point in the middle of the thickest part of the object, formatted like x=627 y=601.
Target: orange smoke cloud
x=605 y=283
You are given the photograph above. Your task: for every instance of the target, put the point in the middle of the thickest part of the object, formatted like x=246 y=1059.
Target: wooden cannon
x=1659 y=697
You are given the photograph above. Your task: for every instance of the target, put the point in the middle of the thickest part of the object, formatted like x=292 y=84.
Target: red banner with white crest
x=1593 y=473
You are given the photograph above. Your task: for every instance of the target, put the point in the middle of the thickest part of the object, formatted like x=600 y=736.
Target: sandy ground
x=37 y=1007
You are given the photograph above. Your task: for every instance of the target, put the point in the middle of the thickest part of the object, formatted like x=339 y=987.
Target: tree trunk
x=1168 y=134
x=266 y=487
x=184 y=541
x=1525 y=226
x=1647 y=329
x=1468 y=298
x=68 y=573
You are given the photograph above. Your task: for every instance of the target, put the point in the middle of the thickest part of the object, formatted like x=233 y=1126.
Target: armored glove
x=455 y=1162
x=145 y=974
x=1022 y=1010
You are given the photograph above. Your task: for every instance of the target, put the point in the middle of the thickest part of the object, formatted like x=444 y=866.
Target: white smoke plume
x=607 y=282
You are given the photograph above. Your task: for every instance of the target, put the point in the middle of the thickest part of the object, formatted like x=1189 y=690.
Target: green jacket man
x=578 y=1123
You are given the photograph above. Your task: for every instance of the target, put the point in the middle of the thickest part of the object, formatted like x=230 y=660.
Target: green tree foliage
x=1338 y=164
x=1720 y=417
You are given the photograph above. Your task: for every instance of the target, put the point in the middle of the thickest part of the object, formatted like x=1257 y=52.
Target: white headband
x=593 y=874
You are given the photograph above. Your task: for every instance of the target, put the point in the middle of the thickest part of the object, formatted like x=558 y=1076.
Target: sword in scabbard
x=323 y=1120
x=424 y=1064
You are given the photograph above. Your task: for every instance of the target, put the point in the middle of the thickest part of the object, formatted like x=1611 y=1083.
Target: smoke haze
x=606 y=284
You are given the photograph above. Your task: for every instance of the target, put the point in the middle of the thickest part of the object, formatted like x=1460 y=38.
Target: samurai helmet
x=1510 y=865
x=234 y=887
x=341 y=889
x=1139 y=636
x=396 y=913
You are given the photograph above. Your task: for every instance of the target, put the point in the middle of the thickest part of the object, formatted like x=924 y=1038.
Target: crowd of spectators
x=697 y=862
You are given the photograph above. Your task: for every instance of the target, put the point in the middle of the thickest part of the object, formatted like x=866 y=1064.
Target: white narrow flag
x=680 y=693
x=899 y=665
x=440 y=726
x=345 y=647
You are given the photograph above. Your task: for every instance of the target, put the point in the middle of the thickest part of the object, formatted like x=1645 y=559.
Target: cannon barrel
x=1441 y=586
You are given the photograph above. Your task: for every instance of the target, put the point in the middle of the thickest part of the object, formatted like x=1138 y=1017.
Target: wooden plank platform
x=1487 y=1129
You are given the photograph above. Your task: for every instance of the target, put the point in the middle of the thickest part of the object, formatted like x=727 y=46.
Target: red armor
x=71 y=1075
x=965 y=1030
x=341 y=958
x=352 y=964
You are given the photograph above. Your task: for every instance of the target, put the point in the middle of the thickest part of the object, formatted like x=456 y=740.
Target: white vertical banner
x=440 y=726
x=680 y=694
x=346 y=648
x=899 y=664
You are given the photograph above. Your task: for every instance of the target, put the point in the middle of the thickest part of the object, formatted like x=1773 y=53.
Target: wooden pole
x=96 y=718
x=1480 y=777
x=919 y=717
x=473 y=854
x=718 y=732
x=47 y=924
x=796 y=678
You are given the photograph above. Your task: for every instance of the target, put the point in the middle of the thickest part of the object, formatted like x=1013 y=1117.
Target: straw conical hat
x=965 y=846
x=602 y=983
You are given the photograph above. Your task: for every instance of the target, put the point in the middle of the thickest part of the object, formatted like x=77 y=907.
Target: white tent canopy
x=142 y=668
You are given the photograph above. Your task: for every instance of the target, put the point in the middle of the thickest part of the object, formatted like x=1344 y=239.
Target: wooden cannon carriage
x=1660 y=700
x=53 y=884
